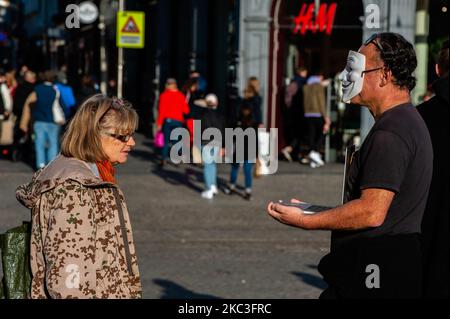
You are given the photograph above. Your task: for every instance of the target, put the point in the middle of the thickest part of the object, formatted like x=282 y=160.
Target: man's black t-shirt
x=397 y=155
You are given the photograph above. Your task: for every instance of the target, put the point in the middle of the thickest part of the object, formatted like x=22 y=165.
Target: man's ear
x=386 y=77
x=438 y=70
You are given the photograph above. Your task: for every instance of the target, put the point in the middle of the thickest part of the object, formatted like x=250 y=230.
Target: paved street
x=189 y=247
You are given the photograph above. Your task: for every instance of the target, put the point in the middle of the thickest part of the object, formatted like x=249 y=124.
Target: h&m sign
x=309 y=19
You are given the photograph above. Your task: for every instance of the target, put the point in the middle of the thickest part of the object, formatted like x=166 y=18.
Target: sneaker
x=248 y=195
x=229 y=190
x=315 y=157
x=287 y=154
x=209 y=194
x=313 y=165
x=214 y=189
x=305 y=161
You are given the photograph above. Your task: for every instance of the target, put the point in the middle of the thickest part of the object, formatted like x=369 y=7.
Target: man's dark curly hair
x=398 y=56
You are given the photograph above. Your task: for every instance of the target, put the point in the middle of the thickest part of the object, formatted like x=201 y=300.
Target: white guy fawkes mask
x=352 y=77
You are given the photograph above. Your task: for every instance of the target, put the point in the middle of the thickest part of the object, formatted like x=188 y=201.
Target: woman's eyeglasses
x=122 y=138
x=116 y=103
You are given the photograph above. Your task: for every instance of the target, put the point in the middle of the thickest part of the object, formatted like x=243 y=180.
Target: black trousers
x=387 y=267
x=315 y=132
x=295 y=128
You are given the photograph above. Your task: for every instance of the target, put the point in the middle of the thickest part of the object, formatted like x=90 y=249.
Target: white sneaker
x=315 y=156
x=313 y=164
x=305 y=161
x=214 y=189
x=209 y=194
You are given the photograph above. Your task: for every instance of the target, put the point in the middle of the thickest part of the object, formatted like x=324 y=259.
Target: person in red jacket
x=172 y=110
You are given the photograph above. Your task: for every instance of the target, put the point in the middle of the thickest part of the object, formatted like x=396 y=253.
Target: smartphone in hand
x=306 y=207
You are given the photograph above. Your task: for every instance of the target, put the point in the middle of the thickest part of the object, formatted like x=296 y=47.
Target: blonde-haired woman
x=82 y=244
x=253 y=100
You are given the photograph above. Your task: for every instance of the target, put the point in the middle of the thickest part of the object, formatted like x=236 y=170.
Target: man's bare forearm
x=351 y=216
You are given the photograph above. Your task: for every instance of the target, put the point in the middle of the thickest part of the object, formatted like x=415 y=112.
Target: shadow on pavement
x=177 y=178
x=172 y=290
x=145 y=155
x=191 y=177
x=312 y=266
x=311 y=280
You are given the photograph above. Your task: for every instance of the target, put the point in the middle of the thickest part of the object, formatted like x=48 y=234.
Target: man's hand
x=288 y=215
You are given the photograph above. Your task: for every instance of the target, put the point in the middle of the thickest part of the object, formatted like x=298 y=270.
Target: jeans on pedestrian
x=46 y=142
x=168 y=127
x=248 y=172
x=210 y=156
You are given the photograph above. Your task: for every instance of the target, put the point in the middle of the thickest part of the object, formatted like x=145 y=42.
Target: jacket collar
x=57 y=172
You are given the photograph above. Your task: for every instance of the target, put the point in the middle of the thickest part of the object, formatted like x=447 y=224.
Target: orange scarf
x=106 y=171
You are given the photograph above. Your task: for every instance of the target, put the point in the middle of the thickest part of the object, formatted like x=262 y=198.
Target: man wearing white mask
x=375 y=249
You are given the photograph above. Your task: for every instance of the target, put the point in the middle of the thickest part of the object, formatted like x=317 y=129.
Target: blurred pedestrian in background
x=253 y=100
x=23 y=91
x=7 y=118
x=21 y=76
x=295 y=127
x=40 y=105
x=112 y=88
x=22 y=140
x=202 y=83
x=193 y=93
x=316 y=117
x=87 y=89
x=67 y=95
x=246 y=121
x=6 y=101
x=211 y=149
x=172 y=111
x=11 y=80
